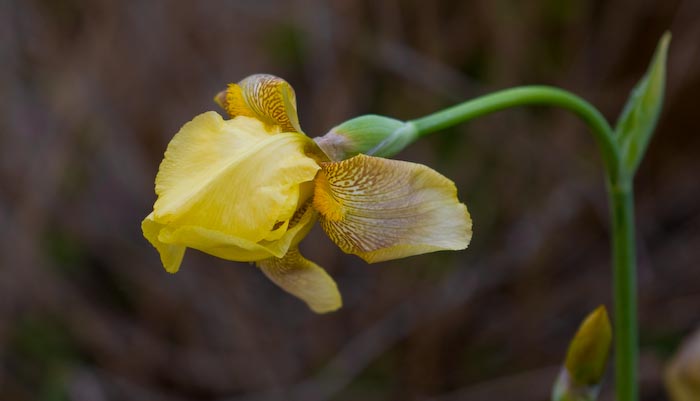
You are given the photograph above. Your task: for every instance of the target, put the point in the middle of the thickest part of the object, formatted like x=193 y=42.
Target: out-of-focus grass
x=42 y=354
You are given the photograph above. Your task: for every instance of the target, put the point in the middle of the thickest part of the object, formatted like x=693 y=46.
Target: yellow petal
x=170 y=254
x=303 y=279
x=382 y=209
x=266 y=97
x=235 y=248
x=232 y=184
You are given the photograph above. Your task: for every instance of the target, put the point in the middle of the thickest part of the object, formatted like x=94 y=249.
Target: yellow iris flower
x=251 y=187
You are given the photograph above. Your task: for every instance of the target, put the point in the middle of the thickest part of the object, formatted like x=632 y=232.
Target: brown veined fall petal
x=303 y=279
x=265 y=97
x=381 y=209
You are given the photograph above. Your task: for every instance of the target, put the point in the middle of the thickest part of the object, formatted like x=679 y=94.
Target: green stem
x=625 y=289
x=528 y=95
x=620 y=194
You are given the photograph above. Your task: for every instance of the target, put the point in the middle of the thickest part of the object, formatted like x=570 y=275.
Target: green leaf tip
x=638 y=119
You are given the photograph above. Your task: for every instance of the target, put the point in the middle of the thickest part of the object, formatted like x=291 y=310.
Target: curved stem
x=620 y=196
x=528 y=95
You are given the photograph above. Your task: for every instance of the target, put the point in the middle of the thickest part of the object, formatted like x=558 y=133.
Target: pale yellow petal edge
x=303 y=279
x=382 y=209
x=170 y=254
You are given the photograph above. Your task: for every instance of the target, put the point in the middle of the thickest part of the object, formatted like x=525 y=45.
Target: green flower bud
x=586 y=359
x=370 y=134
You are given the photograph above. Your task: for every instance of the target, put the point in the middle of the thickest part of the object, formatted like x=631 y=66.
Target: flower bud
x=683 y=372
x=586 y=359
x=369 y=134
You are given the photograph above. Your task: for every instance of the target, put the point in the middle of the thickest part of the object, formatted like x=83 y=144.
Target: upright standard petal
x=230 y=187
x=382 y=209
x=303 y=279
x=265 y=97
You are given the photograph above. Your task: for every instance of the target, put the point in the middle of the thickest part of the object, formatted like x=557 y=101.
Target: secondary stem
x=528 y=95
x=621 y=199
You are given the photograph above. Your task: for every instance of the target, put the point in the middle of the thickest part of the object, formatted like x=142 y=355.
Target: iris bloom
x=250 y=188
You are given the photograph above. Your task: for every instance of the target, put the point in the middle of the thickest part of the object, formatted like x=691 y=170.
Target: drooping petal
x=228 y=187
x=170 y=254
x=239 y=249
x=266 y=97
x=382 y=209
x=303 y=279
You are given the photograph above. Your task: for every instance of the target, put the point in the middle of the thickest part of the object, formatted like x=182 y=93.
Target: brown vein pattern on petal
x=381 y=209
x=303 y=279
x=266 y=97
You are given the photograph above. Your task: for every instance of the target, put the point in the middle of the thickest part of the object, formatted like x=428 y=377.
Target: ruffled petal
x=170 y=254
x=303 y=279
x=266 y=97
x=225 y=246
x=231 y=183
x=382 y=209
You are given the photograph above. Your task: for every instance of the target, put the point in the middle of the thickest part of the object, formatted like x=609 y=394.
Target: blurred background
x=92 y=92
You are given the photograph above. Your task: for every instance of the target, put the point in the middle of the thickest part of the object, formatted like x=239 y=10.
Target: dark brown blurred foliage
x=91 y=93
